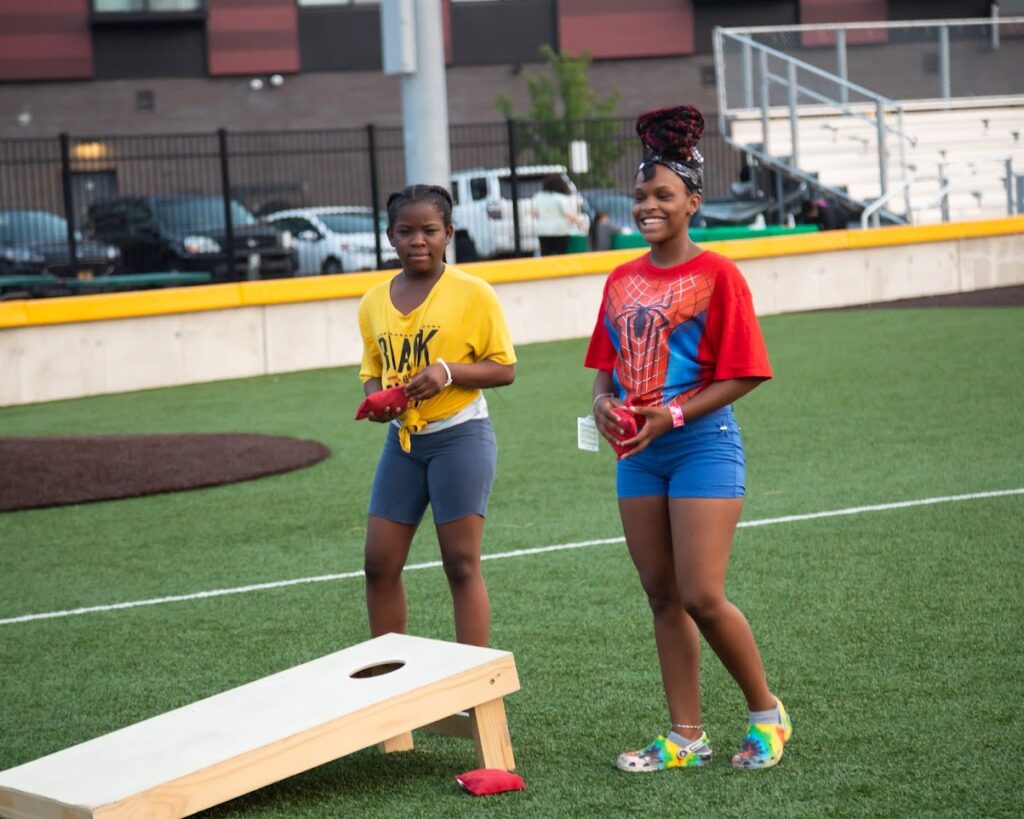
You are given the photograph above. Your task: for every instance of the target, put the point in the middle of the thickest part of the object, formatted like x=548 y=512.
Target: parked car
x=618 y=206
x=188 y=233
x=483 y=207
x=35 y=242
x=334 y=239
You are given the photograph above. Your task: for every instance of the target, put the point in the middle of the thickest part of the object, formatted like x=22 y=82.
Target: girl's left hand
x=659 y=421
x=426 y=383
x=386 y=416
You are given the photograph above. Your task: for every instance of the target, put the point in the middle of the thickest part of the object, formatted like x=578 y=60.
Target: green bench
x=27 y=281
x=717 y=234
x=136 y=281
x=14 y=286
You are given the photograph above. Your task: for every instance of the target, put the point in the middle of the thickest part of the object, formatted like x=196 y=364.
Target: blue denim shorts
x=702 y=459
x=452 y=470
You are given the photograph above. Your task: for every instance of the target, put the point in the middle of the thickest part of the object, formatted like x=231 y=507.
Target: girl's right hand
x=607 y=422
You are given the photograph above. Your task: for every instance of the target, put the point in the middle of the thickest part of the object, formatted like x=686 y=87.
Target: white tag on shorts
x=586 y=434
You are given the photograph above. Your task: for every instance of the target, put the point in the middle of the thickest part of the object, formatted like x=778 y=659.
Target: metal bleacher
x=887 y=159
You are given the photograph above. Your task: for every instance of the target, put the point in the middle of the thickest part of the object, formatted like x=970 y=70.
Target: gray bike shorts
x=452 y=470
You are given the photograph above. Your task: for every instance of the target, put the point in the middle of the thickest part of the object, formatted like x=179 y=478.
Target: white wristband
x=447 y=370
x=598 y=397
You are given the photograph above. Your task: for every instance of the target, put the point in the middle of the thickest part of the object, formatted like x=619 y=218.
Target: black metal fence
x=77 y=211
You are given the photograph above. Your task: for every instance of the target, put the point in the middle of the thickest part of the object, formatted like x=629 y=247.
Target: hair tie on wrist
x=448 y=371
x=598 y=397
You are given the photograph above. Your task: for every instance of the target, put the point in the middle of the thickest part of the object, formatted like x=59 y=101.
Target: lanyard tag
x=586 y=434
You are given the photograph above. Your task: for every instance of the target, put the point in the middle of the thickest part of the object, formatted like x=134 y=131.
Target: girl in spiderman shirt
x=676 y=343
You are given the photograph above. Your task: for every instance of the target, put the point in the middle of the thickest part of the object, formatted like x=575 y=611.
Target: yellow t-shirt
x=460 y=321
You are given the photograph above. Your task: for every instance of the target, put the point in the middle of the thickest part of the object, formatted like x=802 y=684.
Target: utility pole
x=413 y=46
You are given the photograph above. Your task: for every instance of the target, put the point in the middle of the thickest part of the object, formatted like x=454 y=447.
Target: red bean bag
x=484 y=781
x=631 y=423
x=392 y=399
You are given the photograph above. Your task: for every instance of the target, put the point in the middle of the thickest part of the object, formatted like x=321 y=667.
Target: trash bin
x=578 y=244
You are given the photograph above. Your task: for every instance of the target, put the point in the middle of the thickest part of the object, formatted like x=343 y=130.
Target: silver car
x=334 y=239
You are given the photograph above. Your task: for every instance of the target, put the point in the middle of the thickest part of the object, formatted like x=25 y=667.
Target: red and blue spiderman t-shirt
x=665 y=333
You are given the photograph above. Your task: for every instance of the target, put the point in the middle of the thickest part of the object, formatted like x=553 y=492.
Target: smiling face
x=419 y=236
x=663 y=206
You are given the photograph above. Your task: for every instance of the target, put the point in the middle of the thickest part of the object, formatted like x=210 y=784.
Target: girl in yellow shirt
x=442 y=334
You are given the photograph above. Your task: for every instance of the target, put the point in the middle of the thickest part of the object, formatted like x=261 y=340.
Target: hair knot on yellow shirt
x=411 y=421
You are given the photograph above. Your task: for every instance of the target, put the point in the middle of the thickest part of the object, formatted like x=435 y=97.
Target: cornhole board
x=186 y=760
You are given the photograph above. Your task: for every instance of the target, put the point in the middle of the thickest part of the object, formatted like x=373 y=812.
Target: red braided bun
x=673 y=132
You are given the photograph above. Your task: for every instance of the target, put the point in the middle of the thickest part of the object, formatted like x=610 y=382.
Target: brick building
x=174 y=66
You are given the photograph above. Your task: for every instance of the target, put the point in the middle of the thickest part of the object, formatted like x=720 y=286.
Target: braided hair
x=670 y=137
x=434 y=194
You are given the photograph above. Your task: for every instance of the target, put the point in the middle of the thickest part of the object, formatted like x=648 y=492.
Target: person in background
x=824 y=214
x=602 y=231
x=557 y=216
x=746 y=187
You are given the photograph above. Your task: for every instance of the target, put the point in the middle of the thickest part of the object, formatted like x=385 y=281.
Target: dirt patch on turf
x=38 y=472
x=997 y=297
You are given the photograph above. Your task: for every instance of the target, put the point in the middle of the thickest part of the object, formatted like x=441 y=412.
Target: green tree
x=563 y=109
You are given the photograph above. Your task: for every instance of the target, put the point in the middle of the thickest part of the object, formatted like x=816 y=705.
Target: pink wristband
x=676 y=412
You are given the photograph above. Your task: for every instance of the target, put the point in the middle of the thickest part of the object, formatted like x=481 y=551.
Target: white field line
x=433 y=564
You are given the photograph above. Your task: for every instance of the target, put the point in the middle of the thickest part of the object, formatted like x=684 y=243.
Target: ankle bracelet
x=698 y=726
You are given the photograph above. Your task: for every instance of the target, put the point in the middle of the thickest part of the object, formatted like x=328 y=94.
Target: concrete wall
x=45 y=359
x=840 y=279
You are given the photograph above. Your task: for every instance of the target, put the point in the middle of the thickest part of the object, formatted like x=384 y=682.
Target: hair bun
x=671 y=131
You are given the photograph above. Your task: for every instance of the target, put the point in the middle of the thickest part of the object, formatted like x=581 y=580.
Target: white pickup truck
x=483 y=207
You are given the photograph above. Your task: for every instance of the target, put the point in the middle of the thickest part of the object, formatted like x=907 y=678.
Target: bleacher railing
x=770 y=72
x=908 y=60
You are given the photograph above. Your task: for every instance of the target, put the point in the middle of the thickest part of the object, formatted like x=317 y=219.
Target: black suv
x=188 y=233
x=35 y=242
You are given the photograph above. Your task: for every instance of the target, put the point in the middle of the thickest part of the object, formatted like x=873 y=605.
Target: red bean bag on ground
x=484 y=781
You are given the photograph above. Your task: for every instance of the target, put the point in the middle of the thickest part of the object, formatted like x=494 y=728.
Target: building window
x=145 y=6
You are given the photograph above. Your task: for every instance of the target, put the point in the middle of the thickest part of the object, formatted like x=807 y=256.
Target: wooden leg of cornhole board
x=197 y=756
x=490 y=735
x=486 y=725
x=457 y=725
x=403 y=742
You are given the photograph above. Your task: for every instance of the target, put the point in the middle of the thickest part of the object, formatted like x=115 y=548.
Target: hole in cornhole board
x=377 y=670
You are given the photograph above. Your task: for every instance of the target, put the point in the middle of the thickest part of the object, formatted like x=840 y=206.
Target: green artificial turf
x=893 y=636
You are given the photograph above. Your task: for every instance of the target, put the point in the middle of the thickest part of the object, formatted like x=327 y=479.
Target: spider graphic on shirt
x=645 y=312
x=645 y=319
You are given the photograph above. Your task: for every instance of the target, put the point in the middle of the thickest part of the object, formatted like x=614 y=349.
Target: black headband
x=692 y=173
